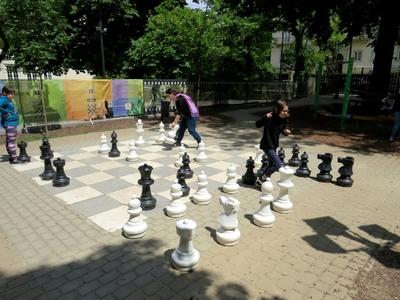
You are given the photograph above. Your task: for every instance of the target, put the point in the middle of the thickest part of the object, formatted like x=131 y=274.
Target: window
x=286 y=37
x=357 y=55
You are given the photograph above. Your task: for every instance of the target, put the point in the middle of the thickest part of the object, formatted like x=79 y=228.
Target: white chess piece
x=104 y=148
x=176 y=208
x=258 y=156
x=201 y=156
x=161 y=138
x=230 y=186
x=182 y=150
x=228 y=234
x=202 y=196
x=185 y=258
x=139 y=126
x=264 y=216
x=170 y=139
x=140 y=141
x=135 y=227
x=132 y=155
x=283 y=204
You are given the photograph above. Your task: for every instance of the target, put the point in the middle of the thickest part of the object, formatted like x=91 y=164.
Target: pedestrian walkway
x=49 y=250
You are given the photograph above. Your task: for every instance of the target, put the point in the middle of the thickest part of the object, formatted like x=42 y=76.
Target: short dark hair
x=172 y=91
x=6 y=90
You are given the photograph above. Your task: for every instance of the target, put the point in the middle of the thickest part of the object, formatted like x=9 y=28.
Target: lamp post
x=102 y=30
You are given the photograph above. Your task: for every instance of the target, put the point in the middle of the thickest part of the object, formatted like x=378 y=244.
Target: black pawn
x=146 y=199
x=23 y=156
x=60 y=179
x=185 y=166
x=249 y=177
x=281 y=155
x=295 y=161
x=325 y=167
x=345 y=171
x=264 y=166
x=45 y=148
x=180 y=175
x=303 y=170
x=114 y=152
x=49 y=172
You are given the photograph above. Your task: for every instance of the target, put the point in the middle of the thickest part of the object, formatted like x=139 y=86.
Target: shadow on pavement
x=328 y=226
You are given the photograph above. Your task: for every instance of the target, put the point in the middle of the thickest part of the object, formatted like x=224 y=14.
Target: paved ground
x=49 y=250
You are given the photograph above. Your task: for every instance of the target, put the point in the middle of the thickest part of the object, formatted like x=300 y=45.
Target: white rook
x=185 y=257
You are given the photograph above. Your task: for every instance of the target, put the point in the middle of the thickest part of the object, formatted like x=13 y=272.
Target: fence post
x=317 y=89
x=346 y=92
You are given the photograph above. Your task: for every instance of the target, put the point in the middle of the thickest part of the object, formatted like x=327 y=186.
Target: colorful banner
x=87 y=99
x=135 y=97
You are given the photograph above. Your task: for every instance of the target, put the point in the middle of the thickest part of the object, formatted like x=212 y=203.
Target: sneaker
x=178 y=144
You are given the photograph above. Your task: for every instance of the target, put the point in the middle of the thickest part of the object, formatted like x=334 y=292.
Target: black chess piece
x=49 y=172
x=249 y=177
x=114 y=152
x=303 y=170
x=60 y=178
x=181 y=175
x=146 y=199
x=23 y=156
x=345 y=171
x=264 y=166
x=325 y=167
x=294 y=161
x=45 y=148
x=185 y=166
x=281 y=155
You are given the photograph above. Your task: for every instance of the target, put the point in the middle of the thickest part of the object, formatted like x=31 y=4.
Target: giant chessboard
x=100 y=186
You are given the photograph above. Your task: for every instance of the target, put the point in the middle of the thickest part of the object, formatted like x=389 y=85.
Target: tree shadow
x=134 y=269
x=324 y=227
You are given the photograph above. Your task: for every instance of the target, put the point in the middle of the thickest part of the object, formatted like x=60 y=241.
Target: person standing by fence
x=9 y=121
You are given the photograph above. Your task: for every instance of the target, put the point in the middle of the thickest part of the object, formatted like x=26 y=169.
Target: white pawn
x=139 y=126
x=264 y=216
x=140 y=141
x=202 y=196
x=132 y=155
x=258 y=156
x=228 y=234
x=283 y=204
x=230 y=186
x=161 y=138
x=104 y=148
x=170 y=139
x=182 y=151
x=201 y=156
x=185 y=258
x=176 y=208
x=135 y=227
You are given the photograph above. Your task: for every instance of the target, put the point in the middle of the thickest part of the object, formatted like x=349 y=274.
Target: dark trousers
x=188 y=123
x=11 y=137
x=274 y=162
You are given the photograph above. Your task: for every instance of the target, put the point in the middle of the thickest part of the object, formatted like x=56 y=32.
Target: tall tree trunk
x=300 y=62
x=387 y=36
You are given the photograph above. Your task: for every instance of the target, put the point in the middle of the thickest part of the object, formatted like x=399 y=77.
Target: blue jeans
x=396 y=125
x=188 y=123
x=274 y=162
